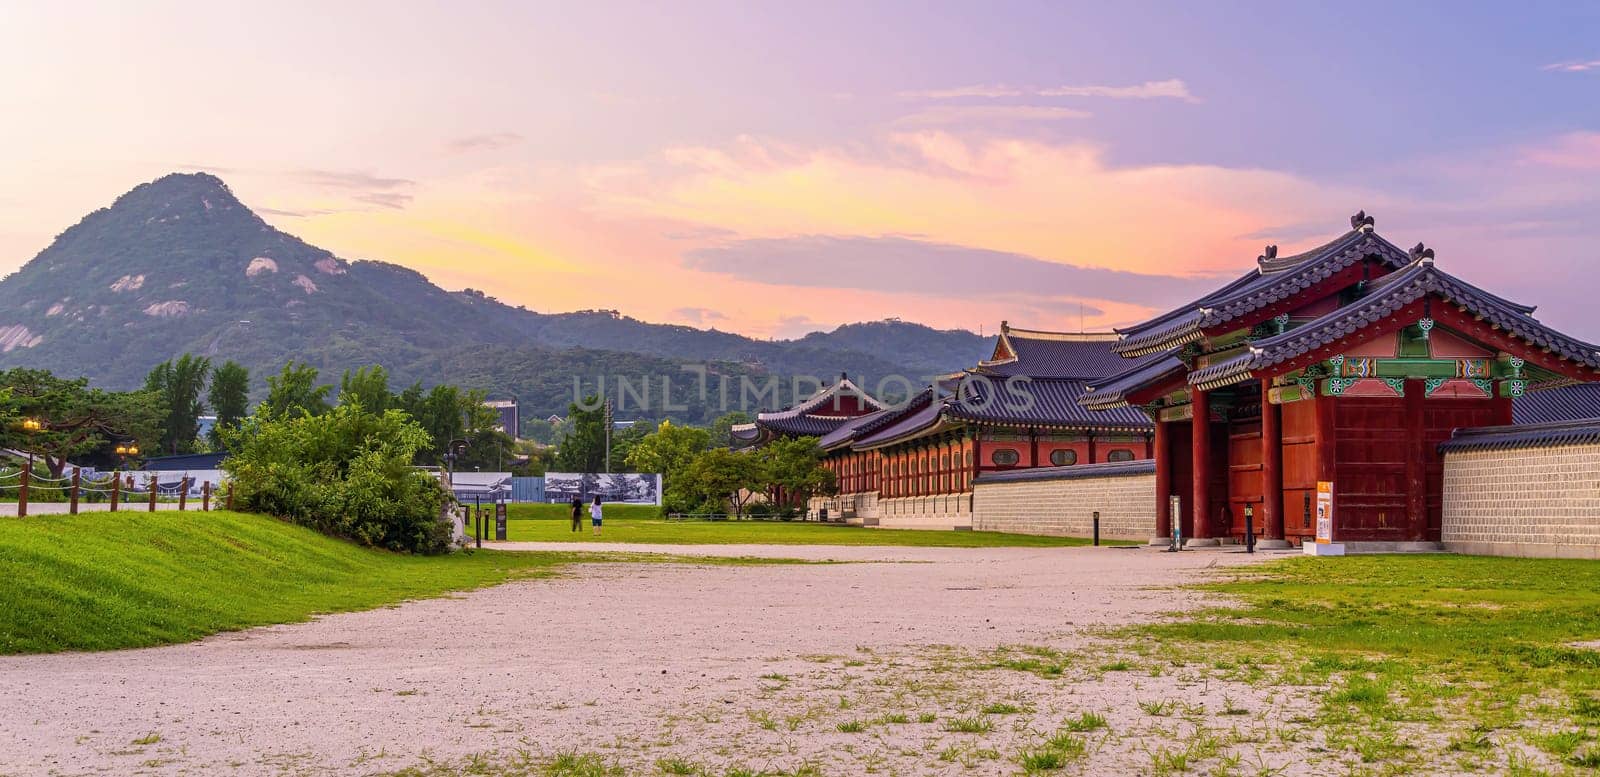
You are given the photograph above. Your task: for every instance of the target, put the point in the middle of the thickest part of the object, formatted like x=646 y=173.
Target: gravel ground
x=717 y=666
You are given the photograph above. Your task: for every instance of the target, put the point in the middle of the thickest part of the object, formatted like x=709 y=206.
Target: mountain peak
x=177 y=193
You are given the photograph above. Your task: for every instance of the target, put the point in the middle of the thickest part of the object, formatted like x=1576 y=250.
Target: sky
x=774 y=169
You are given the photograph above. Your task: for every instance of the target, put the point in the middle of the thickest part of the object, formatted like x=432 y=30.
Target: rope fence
x=123 y=491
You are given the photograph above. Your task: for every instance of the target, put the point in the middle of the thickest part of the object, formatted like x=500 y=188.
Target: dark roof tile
x=1585 y=432
x=1072 y=472
x=1385 y=296
x=1563 y=403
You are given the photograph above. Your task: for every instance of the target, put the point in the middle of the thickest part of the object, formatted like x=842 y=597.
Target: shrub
x=346 y=473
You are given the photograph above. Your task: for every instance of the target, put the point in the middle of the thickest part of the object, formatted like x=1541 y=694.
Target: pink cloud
x=1572 y=151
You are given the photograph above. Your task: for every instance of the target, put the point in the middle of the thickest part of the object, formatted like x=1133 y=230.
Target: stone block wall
x=856 y=508
x=1541 y=500
x=1061 y=501
x=945 y=511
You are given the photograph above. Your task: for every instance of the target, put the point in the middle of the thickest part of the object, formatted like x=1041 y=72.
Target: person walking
x=594 y=516
x=577 y=513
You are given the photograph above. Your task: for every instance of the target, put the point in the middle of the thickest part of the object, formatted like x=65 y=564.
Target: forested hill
x=180 y=265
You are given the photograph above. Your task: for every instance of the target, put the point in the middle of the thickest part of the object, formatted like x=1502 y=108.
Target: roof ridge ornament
x=1422 y=253
x=1268 y=254
x=1361 y=222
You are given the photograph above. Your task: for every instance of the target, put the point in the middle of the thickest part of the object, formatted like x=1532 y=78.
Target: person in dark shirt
x=577 y=513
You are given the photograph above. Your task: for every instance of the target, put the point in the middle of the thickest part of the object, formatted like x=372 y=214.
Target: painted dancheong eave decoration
x=1348 y=364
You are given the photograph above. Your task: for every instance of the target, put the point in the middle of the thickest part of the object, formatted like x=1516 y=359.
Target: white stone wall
x=1065 y=507
x=857 y=508
x=1537 y=501
x=948 y=511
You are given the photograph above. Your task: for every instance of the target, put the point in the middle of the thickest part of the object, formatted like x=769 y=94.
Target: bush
x=346 y=473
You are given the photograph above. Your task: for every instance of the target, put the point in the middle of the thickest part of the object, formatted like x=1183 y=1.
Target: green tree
x=368 y=386
x=440 y=414
x=410 y=400
x=346 y=472
x=295 y=392
x=718 y=479
x=722 y=428
x=179 y=384
x=539 y=430
x=790 y=470
x=487 y=447
x=8 y=408
x=583 y=447
x=76 y=419
x=669 y=450
x=229 y=397
x=622 y=441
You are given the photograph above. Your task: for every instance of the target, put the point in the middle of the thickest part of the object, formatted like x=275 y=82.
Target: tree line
x=83 y=424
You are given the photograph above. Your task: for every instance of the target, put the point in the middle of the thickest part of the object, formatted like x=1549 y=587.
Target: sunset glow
x=710 y=166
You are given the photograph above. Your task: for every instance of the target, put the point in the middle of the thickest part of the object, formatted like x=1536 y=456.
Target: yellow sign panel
x=1324 y=512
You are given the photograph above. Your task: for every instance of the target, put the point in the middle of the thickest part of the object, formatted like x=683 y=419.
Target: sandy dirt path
x=718 y=665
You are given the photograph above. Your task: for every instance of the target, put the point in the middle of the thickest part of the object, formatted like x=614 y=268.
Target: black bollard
x=1249 y=529
x=1097 y=528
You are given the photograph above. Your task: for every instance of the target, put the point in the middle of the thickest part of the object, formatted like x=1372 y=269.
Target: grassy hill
x=96 y=582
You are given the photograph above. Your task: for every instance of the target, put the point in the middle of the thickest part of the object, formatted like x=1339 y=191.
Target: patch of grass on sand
x=1462 y=645
x=640 y=523
x=101 y=581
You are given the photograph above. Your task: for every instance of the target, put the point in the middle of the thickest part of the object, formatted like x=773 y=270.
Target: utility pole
x=608 y=436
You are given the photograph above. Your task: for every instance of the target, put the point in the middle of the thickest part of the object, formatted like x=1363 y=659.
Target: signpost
x=500 y=521
x=1324 y=546
x=1175 y=510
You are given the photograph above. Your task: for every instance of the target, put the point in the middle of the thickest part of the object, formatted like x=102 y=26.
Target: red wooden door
x=1371 y=447
x=1244 y=474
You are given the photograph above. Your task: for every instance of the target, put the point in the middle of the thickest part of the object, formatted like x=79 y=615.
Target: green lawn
x=98 y=581
x=633 y=523
x=1478 y=650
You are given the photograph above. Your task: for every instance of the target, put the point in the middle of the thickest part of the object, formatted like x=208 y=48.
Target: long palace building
x=1347 y=365
x=913 y=464
x=1343 y=367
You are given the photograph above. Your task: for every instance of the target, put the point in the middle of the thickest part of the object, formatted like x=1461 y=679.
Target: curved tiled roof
x=1272 y=281
x=1385 y=296
x=1112 y=392
x=1585 y=432
x=811 y=416
x=802 y=425
x=818 y=402
x=913 y=421
x=1562 y=403
x=1039 y=402
x=862 y=425
x=1071 y=472
x=1055 y=354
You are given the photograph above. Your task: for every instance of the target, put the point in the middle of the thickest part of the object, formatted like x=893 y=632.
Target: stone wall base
x=1524 y=550
x=1066 y=507
x=946 y=511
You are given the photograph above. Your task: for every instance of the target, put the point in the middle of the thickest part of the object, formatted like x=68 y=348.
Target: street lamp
x=455 y=450
x=124 y=451
x=32 y=426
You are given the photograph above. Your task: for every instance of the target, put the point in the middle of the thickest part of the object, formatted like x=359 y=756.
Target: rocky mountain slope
x=181 y=265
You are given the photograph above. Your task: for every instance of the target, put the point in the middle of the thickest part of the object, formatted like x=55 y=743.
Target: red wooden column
x=1271 y=466
x=1091 y=451
x=1325 y=425
x=1416 y=461
x=1200 y=506
x=1163 y=457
